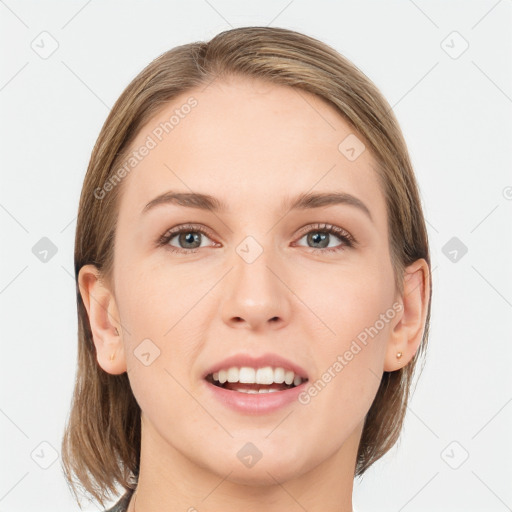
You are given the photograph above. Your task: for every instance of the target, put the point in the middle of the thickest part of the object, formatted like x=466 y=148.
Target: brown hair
x=101 y=443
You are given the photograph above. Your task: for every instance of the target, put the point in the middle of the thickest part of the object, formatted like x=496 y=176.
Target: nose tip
x=254 y=293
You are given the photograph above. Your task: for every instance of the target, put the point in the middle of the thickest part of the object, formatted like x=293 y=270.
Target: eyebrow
x=303 y=201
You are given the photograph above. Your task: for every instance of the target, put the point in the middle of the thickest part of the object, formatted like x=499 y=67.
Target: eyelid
x=176 y=230
x=325 y=226
x=347 y=239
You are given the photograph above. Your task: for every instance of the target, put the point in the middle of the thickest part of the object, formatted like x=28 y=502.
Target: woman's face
x=264 y=279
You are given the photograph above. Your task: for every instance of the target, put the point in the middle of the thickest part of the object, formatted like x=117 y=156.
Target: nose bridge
x=255 y=292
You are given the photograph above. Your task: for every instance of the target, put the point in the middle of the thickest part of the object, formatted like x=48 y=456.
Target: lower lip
x=255 y=403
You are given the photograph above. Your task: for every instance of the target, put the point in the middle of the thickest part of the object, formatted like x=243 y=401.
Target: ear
x=409 y=325
x=101 y=308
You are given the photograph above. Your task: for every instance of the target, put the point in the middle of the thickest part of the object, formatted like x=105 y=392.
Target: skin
x=251 y=144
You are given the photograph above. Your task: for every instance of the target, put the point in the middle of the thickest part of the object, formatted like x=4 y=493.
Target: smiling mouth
x=253 y=388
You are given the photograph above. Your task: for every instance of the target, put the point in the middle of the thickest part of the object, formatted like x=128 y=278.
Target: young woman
x=253 y=282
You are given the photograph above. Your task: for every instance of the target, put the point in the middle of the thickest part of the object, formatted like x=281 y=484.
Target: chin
x=261 y=475
x=246 y=465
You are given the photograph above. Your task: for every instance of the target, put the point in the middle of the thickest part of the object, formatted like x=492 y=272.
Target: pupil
x=190 y=238
x=319 y=238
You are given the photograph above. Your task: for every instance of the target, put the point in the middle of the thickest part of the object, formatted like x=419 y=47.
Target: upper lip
x=268 y=359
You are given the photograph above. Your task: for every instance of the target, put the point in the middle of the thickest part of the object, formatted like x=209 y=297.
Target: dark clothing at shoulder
x=122 y=504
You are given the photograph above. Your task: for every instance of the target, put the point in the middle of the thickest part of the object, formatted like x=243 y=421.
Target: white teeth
x=253 y=391
x=266 y=376
x=247 y=375
x=288 y=377
x=279 y=375
x=233 y=374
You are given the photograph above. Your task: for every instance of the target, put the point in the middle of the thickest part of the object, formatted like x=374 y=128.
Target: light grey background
x=455 y=109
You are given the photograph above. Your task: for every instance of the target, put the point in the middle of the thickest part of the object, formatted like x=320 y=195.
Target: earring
x=117 y=332
x=398 y=355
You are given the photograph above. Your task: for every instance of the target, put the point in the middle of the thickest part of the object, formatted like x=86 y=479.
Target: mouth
x=221 y=380
x=256 y=390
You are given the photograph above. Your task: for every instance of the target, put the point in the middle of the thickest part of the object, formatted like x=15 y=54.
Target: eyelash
x=348 y=240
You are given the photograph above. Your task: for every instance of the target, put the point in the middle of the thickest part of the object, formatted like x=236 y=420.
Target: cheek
x=361 y=319
x=156 y=307
x=349 y=300
x=149 y=298
x=350 y=357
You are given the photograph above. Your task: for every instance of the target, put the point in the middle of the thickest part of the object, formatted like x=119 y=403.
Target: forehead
x=249 y=142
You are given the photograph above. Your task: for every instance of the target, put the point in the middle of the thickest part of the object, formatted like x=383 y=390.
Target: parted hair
x=101 y=441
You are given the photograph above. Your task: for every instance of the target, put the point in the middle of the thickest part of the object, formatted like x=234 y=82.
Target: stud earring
x=398 y=355
x=112 y=356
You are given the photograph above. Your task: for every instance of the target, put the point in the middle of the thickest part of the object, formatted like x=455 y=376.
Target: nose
x=255 y=293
